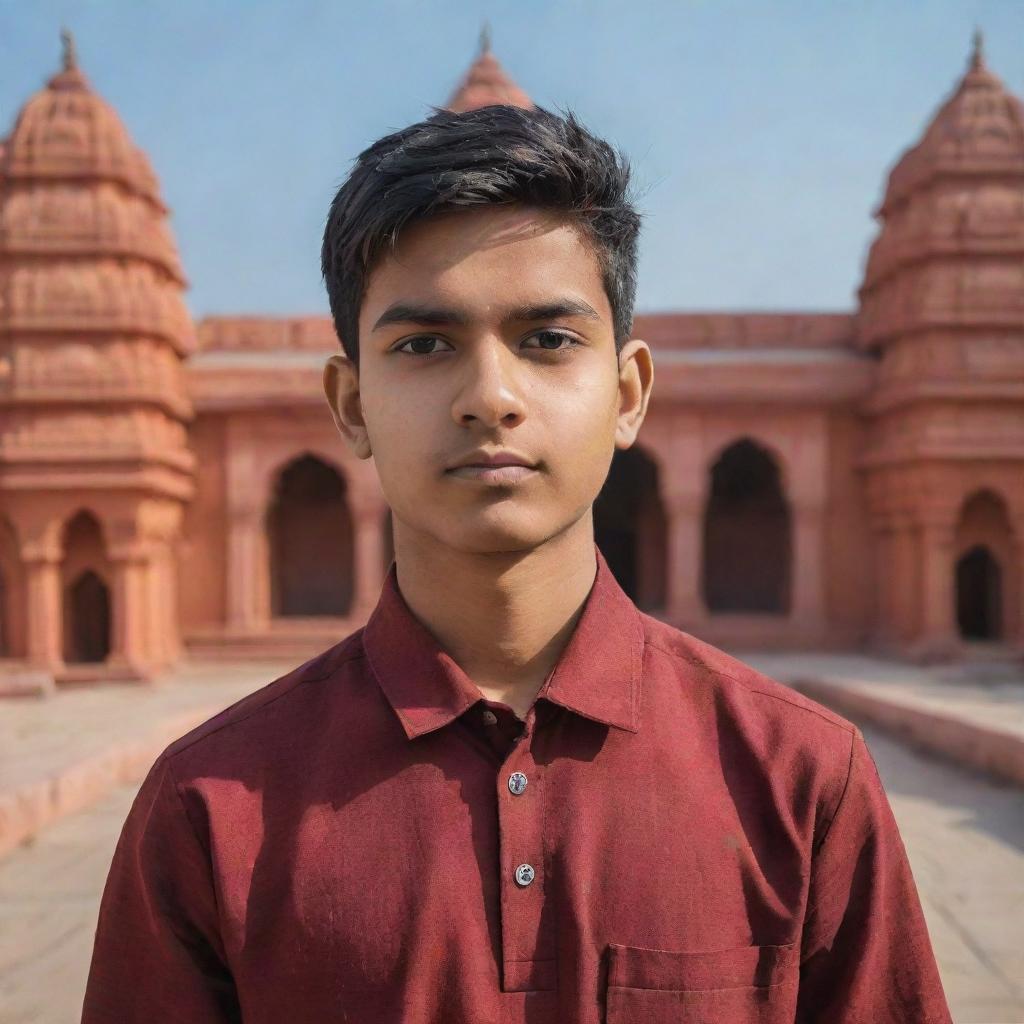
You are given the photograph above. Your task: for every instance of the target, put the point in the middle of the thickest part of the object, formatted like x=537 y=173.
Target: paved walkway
x=59 y=754
x=972 y=713
x=964 y=835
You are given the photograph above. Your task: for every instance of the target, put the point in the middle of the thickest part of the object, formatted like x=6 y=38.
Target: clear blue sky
x=761 y=132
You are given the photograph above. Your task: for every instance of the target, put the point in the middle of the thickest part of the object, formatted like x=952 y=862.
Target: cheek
x=587 y=414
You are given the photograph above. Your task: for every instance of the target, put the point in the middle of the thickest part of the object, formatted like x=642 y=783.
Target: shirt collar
x=597 y=675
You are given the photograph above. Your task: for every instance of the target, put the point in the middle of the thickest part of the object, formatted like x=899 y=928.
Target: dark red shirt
x=669 y=836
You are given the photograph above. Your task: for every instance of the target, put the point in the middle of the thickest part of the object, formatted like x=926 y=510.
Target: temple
x=803 y=480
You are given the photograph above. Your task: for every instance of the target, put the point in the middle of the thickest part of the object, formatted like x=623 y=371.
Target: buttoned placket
x=527 y=940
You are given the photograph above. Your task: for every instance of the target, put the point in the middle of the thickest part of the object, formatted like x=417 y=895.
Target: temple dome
x=949 y=250
x=84 y=241
x=486 y=83
x=67 y=131
x=978 y=130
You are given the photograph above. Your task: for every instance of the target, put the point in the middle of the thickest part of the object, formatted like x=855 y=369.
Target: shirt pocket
x=743 y=985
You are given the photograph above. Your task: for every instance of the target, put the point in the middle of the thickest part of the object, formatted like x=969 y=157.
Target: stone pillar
x=44 y=607
x=884 y=626
x=163 y=615
x=131 y=627
x=171 y=618
x=937 y=640
x=367 y=505
x=248 y=594
x=683 y=600
x=902 y=568
x=808 y=606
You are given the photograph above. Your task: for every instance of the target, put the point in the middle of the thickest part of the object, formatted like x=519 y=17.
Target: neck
x=504 y=618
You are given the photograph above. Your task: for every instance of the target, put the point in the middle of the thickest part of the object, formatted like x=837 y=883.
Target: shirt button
x=489 y=717
x=517 y=783
x=524 y=874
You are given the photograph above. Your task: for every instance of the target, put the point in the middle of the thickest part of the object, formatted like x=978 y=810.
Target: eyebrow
x=434 y=316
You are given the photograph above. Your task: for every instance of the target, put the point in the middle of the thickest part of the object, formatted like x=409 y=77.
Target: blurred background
x=829 y=483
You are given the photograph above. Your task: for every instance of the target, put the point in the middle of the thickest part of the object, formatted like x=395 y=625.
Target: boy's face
x=489 y=331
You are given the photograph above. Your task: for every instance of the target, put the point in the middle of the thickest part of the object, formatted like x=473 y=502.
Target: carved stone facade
x=803 y=480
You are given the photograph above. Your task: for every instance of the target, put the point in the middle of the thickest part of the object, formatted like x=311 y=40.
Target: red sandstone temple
x=803 y=480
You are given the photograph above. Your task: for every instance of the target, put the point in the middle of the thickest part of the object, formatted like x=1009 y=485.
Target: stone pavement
x=60 y=753
x=964 y=835
x=972 y=713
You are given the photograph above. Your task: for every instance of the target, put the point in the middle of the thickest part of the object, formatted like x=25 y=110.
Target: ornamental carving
x=115 y=296
x=143 y=366
x=263 y=334
x=102 y=220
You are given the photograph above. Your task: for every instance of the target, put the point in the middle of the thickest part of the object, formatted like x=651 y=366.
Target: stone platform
x=64 y=750
x=970 y=713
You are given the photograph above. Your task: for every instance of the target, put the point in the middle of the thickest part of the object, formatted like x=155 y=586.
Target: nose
x=490 y=392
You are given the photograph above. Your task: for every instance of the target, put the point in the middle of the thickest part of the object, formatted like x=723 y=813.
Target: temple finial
x=69 y=56
x=485 y=38
x=977 y=50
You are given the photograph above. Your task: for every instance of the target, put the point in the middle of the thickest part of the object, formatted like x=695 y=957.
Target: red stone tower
x=94 y=463
x=942 y=304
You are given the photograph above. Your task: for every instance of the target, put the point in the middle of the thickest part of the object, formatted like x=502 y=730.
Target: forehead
x=482 y=255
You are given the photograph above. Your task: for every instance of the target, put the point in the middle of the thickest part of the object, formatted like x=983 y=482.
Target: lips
x=492 y=460
x=503 y=475
x=493 y=468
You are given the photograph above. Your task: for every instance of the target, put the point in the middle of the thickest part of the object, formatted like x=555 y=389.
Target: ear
x=636 y=378
x=341 y=387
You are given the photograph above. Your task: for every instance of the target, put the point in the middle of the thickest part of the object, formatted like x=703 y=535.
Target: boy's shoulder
x=739 y=684
x=262 y=710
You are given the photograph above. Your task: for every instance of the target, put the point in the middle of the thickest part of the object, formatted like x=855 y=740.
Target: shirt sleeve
x=866 y=954
x=157 y=955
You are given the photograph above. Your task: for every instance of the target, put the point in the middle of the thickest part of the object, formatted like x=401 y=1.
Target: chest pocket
x=744 y=985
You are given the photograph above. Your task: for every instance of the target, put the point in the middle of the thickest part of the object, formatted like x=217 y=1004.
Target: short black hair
x=493 y=155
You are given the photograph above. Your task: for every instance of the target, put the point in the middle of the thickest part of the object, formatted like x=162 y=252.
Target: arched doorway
x=86 y=593
x=88 y=634
x=979 y=593
x=747 y=552
x=630 y=527
x=983 y=588
x=309 y=528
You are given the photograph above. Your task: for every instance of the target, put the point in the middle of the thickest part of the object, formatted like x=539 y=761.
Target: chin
x=489 y=534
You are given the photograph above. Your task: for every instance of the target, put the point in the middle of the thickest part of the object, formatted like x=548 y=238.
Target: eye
x=418 y=344
x=555 y=337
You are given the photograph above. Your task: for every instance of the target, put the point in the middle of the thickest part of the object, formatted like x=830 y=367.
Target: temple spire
x=486 y=82
x=69 y=56
x=977 y=50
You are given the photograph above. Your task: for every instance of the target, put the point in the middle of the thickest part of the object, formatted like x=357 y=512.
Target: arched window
x=311 y=547
x=630 y=527
x=747 y=534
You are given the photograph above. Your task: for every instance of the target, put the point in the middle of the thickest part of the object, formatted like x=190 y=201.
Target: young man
x=511 y=797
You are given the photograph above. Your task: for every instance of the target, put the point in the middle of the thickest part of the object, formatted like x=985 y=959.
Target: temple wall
x=847 y=549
